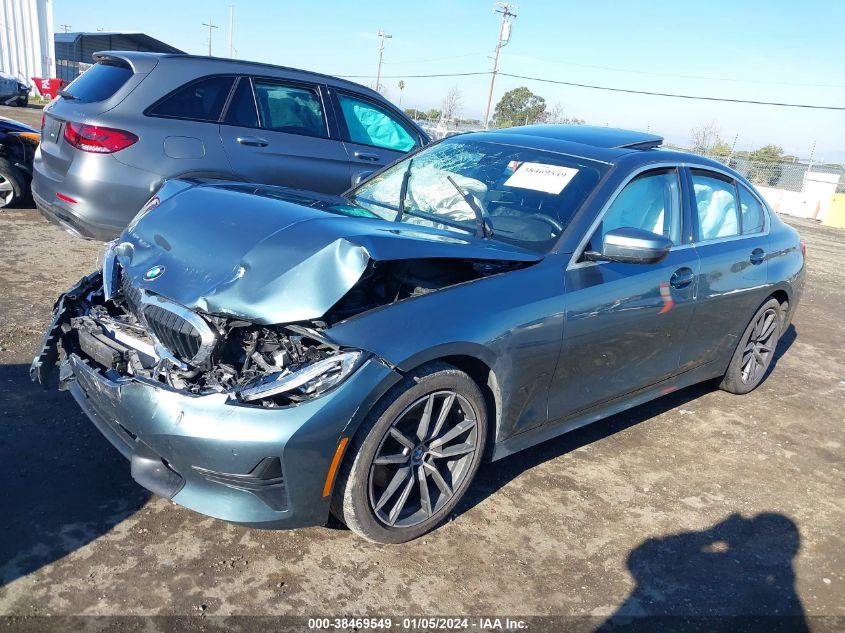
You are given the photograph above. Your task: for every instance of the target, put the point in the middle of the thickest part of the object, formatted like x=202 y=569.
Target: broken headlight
x=307 y=381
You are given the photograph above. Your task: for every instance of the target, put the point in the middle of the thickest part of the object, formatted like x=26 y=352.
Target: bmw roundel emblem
x=154 y=273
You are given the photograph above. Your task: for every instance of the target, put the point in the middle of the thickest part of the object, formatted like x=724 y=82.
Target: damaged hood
x=270 y=255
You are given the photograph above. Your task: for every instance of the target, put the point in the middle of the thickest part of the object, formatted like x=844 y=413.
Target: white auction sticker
x=541 y=177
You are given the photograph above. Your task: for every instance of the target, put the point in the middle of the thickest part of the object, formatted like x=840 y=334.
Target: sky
x=771 y=50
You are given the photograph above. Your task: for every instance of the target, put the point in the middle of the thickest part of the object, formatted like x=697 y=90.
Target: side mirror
x=631 y=246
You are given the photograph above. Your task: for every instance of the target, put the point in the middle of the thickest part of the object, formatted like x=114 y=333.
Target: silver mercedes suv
x=134 y=120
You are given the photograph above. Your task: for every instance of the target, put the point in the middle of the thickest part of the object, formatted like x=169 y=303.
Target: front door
x=625 y=323
x=276 y=133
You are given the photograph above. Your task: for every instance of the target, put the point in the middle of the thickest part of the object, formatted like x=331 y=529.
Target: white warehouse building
x=26 y=39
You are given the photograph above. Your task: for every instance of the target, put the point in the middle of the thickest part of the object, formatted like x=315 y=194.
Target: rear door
x=277 y=132
x=374 y=134
x=731 y=239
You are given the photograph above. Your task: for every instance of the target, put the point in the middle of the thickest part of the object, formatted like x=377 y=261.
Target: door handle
x=757 y=256
x=252 y=141
x=682 y=278
x=365 y=156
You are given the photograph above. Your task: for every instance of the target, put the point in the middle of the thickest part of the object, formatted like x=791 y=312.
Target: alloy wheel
x=7 y=192
x=760 y=346
x=423 y=459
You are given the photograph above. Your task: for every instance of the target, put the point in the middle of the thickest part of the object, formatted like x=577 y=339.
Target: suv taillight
x=96 y=139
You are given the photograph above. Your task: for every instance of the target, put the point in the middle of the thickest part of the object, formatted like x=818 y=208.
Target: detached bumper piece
x=44 y=365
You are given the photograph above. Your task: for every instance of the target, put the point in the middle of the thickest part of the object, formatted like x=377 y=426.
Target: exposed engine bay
x=136 y=333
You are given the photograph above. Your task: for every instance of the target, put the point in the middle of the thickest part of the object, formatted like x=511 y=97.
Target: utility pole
x=809 y=166
x=65 y=27
x=383 y=36
x=210 y=26
x=733 y=148
x=231 y=30
x=507 y=11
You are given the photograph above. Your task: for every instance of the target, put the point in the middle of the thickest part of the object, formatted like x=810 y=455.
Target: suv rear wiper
x=484 y=228
x=66 y=95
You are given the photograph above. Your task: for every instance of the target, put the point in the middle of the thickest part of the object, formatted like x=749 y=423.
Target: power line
x=484 y=72
x=610 y=89
x=674 y=95
x=682 y=76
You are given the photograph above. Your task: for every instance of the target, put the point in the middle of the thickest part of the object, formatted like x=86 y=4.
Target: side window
x=371 y=125
x=241 y=110
x=753 y=214
x=291 y=109
x=651 y=201
x=201 y=100
x=718 y=212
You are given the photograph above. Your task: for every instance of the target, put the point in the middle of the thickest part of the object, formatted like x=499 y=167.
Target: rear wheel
x=414 y=457
x=755 y=351
x=13 y=184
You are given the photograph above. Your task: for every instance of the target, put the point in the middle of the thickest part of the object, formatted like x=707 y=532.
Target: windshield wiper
x=484 y=229
x=403 y=190
x=66 y=95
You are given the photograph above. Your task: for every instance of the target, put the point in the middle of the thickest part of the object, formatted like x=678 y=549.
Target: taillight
x=43 y=121
x=803 y=249
x=96 y=139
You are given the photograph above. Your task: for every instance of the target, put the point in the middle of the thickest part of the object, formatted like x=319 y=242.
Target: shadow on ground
x=736 y=575
x=63 y=484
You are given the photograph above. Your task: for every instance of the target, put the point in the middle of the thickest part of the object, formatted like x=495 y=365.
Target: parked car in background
x=363 y=354
x=18 y=143
x=13 y=92
x=134 y=119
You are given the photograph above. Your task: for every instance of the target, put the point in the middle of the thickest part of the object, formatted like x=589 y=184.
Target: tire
x=13 y=184
x=362 y=497
x=755 y=351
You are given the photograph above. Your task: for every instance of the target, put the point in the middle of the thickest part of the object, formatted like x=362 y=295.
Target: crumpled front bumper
x=257 y=466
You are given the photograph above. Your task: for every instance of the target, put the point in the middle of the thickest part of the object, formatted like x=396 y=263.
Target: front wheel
x=755 y=351
x=414 y=456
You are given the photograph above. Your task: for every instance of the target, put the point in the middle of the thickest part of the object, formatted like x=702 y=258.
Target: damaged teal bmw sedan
x=267 y=356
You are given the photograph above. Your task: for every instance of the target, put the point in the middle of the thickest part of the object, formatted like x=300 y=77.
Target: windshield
x=511 y=194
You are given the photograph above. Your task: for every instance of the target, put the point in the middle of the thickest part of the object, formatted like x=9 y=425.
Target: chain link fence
x=789 y=174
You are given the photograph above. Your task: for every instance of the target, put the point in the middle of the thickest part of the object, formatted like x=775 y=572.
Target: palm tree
x=401 y=88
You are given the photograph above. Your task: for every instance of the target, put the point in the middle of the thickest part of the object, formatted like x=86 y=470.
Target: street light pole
x=231 y=30
x=383 y=36
x=507 y=11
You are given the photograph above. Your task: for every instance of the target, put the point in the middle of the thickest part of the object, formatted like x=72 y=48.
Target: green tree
x=519 y=106
x=765 y=165
x=720 y=151
x=433 y=114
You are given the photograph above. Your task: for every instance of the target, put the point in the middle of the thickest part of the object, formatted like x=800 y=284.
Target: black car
x=13 y=92
x=18 y=143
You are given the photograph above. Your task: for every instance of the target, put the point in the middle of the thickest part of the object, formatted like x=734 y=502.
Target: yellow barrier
x=835 y=215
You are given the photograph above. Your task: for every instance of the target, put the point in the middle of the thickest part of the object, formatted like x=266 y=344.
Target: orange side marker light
x=338 y=454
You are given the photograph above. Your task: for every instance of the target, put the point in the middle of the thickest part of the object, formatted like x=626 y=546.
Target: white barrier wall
x=26 y=39
x=813 y=202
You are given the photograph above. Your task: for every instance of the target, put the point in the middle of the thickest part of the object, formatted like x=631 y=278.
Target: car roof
x=143 y=61
x=607 y=137
x=603 y=144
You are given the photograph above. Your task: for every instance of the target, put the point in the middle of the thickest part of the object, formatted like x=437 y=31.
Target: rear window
x=201 y=100
x=99 y=82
